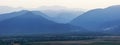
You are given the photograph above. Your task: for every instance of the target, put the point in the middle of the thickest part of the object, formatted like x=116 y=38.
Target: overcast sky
x=85 y=4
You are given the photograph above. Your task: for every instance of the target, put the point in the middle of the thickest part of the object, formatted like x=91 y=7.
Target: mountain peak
x=25 y=11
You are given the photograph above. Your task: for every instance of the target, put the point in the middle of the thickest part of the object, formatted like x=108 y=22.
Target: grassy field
x=106 y=40
x=99 y=40
x=75 y=43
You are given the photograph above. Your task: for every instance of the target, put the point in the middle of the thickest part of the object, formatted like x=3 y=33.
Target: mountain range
x=57 y=14
x=28 y=22
x=94 y=22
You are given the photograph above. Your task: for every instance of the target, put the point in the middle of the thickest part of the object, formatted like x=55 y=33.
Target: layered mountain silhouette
x=99 y=19
x=26 y=23
x=60 y=14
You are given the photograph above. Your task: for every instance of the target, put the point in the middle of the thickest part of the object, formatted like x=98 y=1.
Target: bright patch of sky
x=84 y=4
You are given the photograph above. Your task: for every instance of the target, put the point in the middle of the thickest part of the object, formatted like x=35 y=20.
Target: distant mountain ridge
x=6 y=9
x=60 y=14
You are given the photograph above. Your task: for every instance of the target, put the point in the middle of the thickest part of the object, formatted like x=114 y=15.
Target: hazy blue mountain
x=96 y=19
x=42 y=14
x=60 y=14
x=10 y=15
x=6 y=9
x=30 y=23
x=66 y=16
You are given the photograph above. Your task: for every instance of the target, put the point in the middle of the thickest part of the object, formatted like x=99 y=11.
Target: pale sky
x=84 y=4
